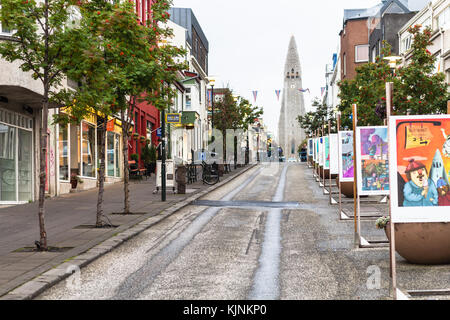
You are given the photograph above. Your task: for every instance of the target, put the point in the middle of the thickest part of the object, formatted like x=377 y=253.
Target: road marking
x=266 y=281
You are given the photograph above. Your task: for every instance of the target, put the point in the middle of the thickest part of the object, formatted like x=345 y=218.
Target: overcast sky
x=248 y=42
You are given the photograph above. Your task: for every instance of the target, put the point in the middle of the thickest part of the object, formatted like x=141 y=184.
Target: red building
x=146 y=117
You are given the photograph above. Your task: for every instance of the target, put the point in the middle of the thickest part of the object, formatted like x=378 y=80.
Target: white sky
x=248 y=42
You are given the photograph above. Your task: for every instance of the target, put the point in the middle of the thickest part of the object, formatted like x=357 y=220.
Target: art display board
x=170 y=174
x=314 y=150
x=346 y=156
x=321 y=151
x=310 y=147
x=326 y=152
x=372 y=163
x=419 y=157
x=334 y=152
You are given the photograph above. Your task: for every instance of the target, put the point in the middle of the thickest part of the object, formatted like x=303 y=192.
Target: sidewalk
x=69 y=219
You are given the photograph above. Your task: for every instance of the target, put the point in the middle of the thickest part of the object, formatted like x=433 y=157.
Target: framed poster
x=346 y=156
x=317 y=150
x=419 y=158
x=321 y=151
x=334 y=165
x=372 y=164
x=326 y=152
x=310 y=147
x=314 y=150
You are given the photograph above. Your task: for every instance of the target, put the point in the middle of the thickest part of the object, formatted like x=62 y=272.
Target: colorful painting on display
x=321 y=151
x=326 y=150
x=346 y=156
x=420 y=168
x=310 y=147
x=372 y=160
x=334 y=158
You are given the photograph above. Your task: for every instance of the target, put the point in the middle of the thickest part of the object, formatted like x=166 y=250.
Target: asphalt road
x=282 y=241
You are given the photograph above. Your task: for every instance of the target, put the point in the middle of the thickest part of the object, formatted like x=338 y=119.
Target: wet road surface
x=268 y=234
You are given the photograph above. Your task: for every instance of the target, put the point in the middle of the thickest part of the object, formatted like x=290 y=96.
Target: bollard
x=181 y=179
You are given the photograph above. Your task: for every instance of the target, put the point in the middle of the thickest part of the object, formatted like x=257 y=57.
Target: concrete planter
x=346 y=188
x=422 y=243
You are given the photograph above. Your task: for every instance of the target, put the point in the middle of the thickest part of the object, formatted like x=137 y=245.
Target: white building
x=437 y=16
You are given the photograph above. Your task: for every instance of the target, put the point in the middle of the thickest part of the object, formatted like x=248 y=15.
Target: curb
x=61 y=271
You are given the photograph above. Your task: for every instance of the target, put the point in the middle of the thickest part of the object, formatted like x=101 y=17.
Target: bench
x=135 y=172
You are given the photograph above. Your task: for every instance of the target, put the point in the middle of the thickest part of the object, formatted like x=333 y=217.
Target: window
x=3 y=28
x=112 y=154
x=16 y=149
x=362 y=53
x=444 y=18
x=344 y=61
x=149 y=130
x=406 y=43
x=437 y=63
x=63 y=152
x=88 y=150
x=374 y=54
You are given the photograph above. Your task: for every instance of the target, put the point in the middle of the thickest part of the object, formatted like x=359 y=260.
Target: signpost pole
x=323 y=157
x=339 y=163
x=355 y=200
x=329 y=142
x=389 y=97
x=163 y=156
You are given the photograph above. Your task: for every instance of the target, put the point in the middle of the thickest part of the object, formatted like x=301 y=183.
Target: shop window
x=63 y=152
x=110 y=153
x=88 y=156
x=149 y=130
x=7 y=163
x=117 y=138
x=24 y=159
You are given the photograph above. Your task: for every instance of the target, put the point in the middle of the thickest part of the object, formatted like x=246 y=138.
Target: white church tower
x=290 y=135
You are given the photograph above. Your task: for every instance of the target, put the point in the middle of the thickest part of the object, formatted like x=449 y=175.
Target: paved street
x=277 y=250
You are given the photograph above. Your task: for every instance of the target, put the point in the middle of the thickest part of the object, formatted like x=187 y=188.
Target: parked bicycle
x=210 y=173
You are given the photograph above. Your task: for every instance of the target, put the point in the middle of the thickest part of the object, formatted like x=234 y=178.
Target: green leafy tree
x=234 y=113
x=417 y=88
x=315 y=120
x=367 y=90
x=39 y=29
x=120 y=63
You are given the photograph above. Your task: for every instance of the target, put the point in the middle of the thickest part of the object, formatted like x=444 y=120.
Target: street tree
x=38 y=33
x=418 y=87
x=315 y=120
x=234 y=113
x=119 y=64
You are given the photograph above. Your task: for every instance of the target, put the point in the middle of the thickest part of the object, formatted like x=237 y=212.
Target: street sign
x=173 y=118
x=158 y=132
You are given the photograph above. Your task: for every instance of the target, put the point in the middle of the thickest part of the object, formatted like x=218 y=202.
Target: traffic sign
x=158 y=132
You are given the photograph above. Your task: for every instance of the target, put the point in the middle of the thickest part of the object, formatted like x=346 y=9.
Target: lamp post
x=211 y=83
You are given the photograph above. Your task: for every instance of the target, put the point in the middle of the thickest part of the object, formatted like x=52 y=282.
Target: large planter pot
x=346 y=188
x=422 y=243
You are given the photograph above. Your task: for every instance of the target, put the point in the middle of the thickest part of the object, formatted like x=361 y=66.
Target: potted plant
x=74 y=180
x=149 y=157
x=135 y=157
x=135 y=136
x=142 y=139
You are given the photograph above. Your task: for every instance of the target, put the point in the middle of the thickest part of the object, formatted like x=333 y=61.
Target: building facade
x=435 y=15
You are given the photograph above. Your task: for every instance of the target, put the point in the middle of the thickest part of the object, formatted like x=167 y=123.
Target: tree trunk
x=126 y=171
x=101 y=174
x=42 y=174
